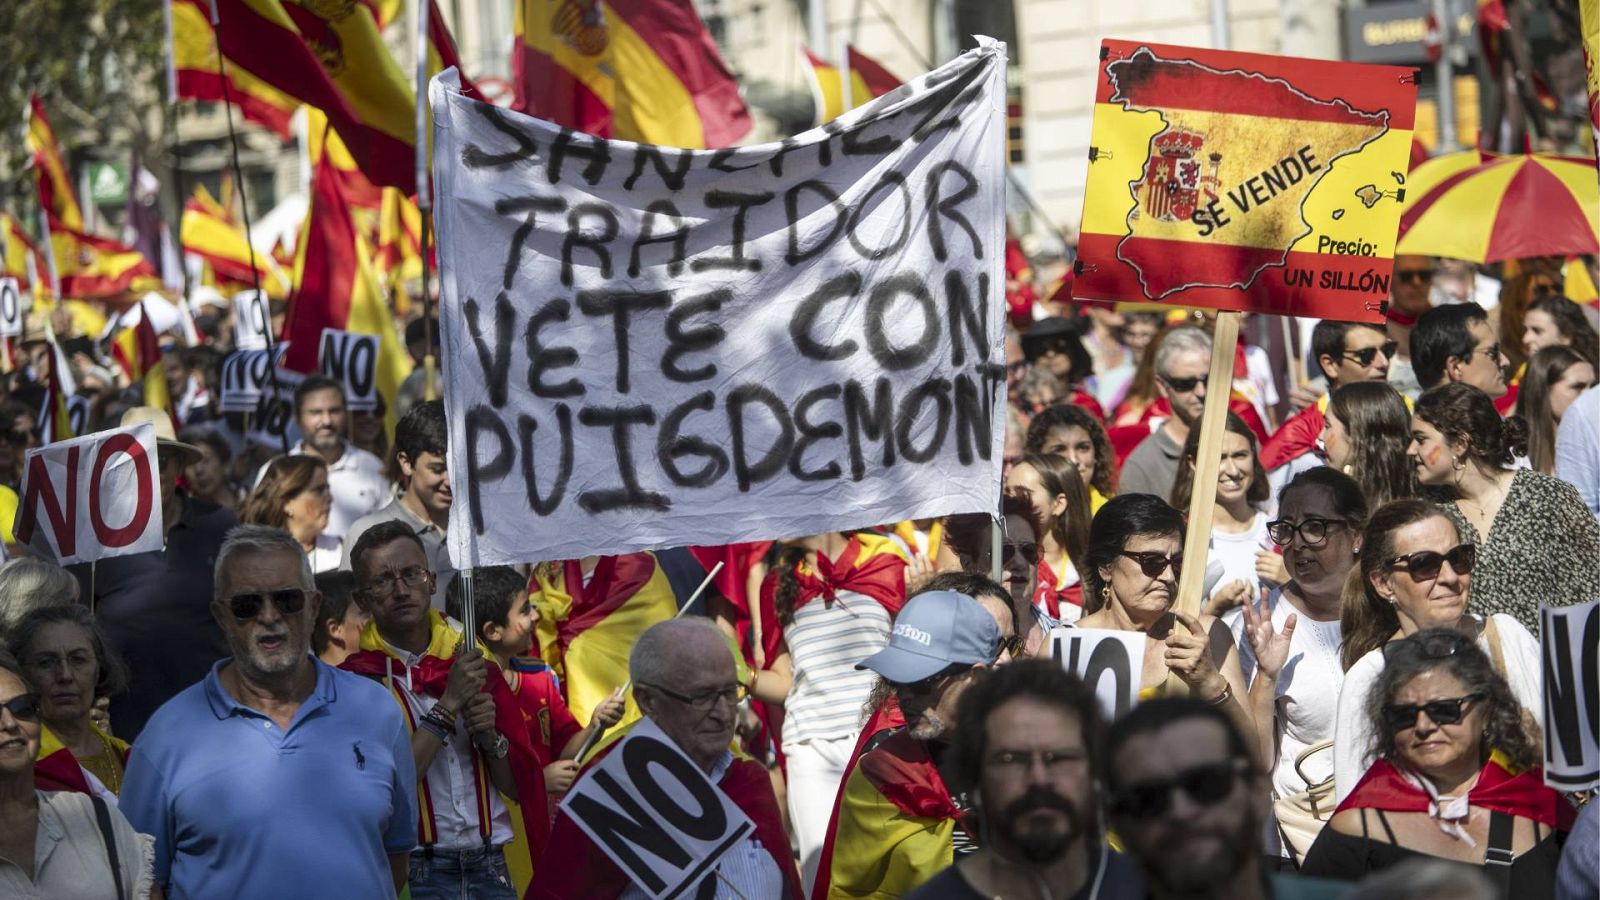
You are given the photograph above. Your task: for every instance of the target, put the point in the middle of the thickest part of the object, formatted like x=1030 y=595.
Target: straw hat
x=166 y=438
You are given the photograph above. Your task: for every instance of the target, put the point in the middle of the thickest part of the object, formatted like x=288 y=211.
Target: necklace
x=105 y=765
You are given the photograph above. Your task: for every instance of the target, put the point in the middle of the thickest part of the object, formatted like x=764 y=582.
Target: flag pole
x=424 y=198
x=174 y=149
x=244 y=209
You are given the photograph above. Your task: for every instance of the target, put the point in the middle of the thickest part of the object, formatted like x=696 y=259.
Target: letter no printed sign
x=1570 y=636
x=92 y=497
x=1110 y=662
x=658 y=817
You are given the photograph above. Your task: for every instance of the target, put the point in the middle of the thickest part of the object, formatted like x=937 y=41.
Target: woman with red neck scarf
x=1457 y=775
x=1061 y=513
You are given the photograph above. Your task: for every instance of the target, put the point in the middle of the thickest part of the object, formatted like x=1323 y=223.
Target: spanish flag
x=199 y=74
x=16 y=263
x=91 y=267
x=56 y=196
x=1245 y=182
x=137 y=350
x=208 y=234
x=336 y=286
x=399 y=246
x=1589 y=18
x=55 y=424
x=637 y=70
x=868 y=81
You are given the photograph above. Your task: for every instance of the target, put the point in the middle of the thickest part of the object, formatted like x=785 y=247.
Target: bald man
x=684 y=680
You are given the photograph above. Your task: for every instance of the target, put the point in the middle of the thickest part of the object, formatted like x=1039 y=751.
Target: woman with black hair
x=1517 y=517
x=1071 y=431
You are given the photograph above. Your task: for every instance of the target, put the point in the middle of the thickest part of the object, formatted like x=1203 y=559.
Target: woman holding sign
x=1135 y=551
x=293 y=495
x=1457 y=775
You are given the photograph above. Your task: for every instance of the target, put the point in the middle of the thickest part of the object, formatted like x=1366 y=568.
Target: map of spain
x=1229 y=172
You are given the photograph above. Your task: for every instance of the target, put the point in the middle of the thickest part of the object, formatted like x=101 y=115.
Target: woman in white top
x=59 y=843
x=1415 y=573
x=1239 y=528
x=1290 y=641
x=293 y=494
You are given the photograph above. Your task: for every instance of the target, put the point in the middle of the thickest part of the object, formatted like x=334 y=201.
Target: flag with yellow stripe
x=208 y=234
x=1243 y=181
x=90 y=267
x=200 y=75
x=137 y=349
x=56 y=196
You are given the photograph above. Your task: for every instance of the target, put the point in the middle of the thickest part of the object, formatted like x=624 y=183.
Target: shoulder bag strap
x=1497 y=654
x=1497 y=859
x=102 y=815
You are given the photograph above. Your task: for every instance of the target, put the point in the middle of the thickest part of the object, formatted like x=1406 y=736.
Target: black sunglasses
x=247 y=606
x=1424 y=276
x=1182 y=385
x=1029 y=551
x=1152 y=564
x=1207 y=785
x=1401 y=716
x=23 y=707
x=1424 y=565
x=1366 y=355
x=1313 y=531
x=1431 y=646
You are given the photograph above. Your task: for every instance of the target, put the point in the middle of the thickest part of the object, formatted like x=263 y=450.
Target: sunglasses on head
x=23 y=707
x=1449 y=711
x=1206 y=785
x=1441 y=645
x=1152 y=564
x=247 y=606
x=1366 y=355
x=1423 y=276
x=1424 y=565
x=1183 y=385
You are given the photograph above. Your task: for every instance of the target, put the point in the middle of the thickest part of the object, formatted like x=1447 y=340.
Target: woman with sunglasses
x=1061 y=514
x=1239 y=529
x=1072 y=432
x=62 y=653
x=1365 y=435
x=1555 y=377
x=293 y=495
x=59 y=843
x=1462 y=447
x=1416 y=574
x=1457 y=775
x=1131 y=583
x=1290 y=644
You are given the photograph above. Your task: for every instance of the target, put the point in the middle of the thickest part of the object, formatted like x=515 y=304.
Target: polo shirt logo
x=911 y=632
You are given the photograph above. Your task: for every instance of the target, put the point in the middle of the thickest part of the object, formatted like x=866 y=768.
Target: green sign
x=108 y=182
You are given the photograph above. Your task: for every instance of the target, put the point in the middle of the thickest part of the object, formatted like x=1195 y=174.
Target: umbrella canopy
x=1510 y=206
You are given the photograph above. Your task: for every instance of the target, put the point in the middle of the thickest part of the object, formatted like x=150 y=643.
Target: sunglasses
x=1432 y=646
x=1182 y=385
x=925 y=686
x=1403 y=716
x=23 y=707
x=1424 y=565
x=1152 y=564
x=1366 y=355
x=1206 y=785
x=1313 y=531
x=1028 y=551
x=1424 y=276
x=247 y=606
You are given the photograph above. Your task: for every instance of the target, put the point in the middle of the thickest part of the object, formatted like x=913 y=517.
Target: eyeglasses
x=1022 y=760
x=1152 y=564
x=1207 y=785
x=1492 y=351
x=1366 y=355
x=247 y=606
x=1425 y=276
x=925 y=686
x=1402 y=716
x=704 y=701
x=1182 y=385
x=23 y=707
x=1424 y=565
x=1011 y=644
x=1028 y=551
x=410 y=577
x=1313 y=531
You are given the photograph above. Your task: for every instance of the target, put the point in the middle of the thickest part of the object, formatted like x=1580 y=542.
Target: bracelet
x=750 y=688
x=1224 y=697
x=446 y=715
x=435 y=728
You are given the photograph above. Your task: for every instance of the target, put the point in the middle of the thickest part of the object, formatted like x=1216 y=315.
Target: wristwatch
x=498 y=749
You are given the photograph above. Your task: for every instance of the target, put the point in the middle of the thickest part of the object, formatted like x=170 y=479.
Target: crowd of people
x=284 y=698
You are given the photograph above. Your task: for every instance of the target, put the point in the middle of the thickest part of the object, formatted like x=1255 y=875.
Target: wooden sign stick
x=1208 y=458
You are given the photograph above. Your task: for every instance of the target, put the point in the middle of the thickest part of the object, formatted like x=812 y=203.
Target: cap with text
x=934 y=631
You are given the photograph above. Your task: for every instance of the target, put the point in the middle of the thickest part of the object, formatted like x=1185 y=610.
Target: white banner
x=92 y=497
x=352 y=360
x=1110 y=662
x=1570 y=639
x=648 y=347
x=10 y=308
x=656 y=814
x=251 y=319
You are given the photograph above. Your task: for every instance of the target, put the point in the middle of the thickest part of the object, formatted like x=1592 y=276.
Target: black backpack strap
x=1497 y=859
x=102 y=815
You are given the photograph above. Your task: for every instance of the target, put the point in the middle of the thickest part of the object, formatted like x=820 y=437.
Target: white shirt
x=1307 y=693
x=1237 y=552
x=747 y=865
x=357 y=484
x=1352 y=735
x=326 y=553
x=450 y=784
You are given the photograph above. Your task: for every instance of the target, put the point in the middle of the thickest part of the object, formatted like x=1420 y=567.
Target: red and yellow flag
x=194 y=57
x=18 y=247
x=868 y=81
x=638 y=70
x=91 y=267
x=137 y=350
x=206 y=233
x=56 y=424
x=56 y=196
x=399 y=249
x=1243 y=181
x=1589 y=17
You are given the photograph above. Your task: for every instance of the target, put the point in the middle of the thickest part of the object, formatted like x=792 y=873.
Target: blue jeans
x=476 y=874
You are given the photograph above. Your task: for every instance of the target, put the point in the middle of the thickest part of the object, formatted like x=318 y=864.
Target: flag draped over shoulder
x=56 y=196
x=638 y=70
x=137 y=350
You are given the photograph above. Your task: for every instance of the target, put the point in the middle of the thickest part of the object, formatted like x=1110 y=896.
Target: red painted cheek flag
x=1243 y=181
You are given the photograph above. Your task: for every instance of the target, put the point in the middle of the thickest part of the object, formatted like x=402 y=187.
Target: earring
x=1457 y=464
x=1105 y=593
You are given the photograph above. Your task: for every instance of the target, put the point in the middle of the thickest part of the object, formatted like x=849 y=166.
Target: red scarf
x=1050 y=596
x=1523 y=795
x=880 y=575
x=1399 y=318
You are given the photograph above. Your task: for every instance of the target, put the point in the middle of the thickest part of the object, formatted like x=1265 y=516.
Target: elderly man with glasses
x=1182 y=362
x=685 y=681
x=276 y=772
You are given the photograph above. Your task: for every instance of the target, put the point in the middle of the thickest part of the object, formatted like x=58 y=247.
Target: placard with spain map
x=1246 y=182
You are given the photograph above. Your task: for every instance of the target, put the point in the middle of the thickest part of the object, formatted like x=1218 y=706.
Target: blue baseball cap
x=934 y=631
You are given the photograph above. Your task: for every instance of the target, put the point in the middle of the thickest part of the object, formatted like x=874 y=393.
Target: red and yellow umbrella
x=1511 y=206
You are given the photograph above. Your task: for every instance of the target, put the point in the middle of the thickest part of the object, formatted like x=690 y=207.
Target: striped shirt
x=826 y=640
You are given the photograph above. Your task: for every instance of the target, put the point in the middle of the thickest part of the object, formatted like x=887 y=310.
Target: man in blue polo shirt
x=276 y=773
